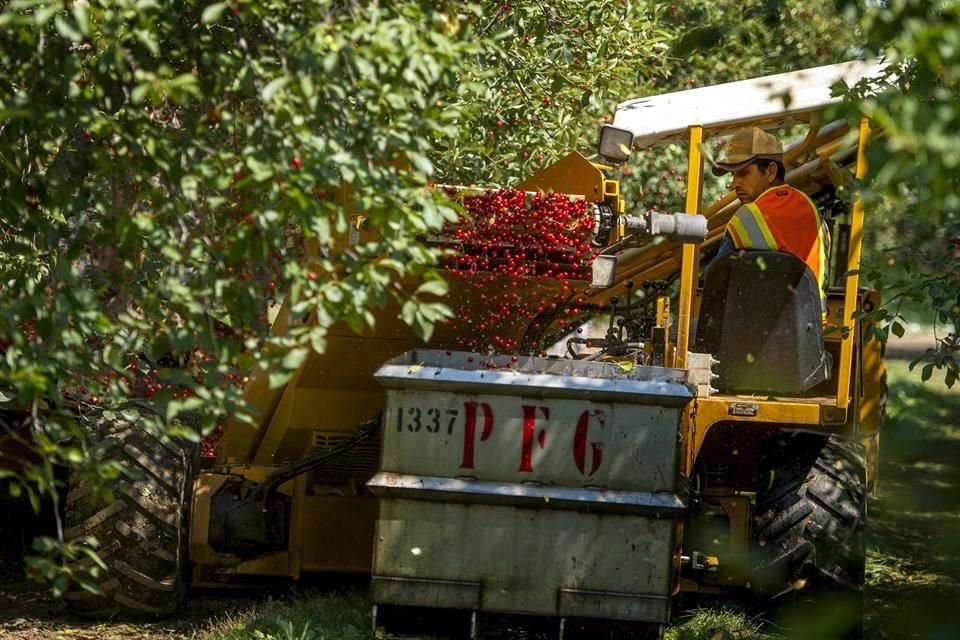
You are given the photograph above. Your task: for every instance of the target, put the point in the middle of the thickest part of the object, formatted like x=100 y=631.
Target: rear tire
x=809 y=527
x=142 y=531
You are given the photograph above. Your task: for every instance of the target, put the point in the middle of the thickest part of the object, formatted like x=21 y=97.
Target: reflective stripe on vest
x=752 y=230
x=783 y=219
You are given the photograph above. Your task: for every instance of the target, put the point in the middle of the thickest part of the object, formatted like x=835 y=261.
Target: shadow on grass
x=913 y=571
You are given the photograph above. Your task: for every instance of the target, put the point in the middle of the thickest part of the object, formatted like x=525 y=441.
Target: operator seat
x=761 y=317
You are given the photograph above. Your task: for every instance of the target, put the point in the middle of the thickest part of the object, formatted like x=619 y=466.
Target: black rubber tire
x=809 y=528
x=143 y=532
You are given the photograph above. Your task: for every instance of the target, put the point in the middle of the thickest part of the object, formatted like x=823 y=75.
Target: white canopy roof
x=760 y=101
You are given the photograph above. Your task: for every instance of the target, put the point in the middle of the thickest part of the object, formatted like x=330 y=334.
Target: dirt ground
x=908 y=347
x=914 y=557
x=28 y=612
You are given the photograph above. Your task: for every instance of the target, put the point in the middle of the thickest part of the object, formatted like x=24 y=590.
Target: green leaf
x=408 y=312
x=42 y=14
x=433 y=287
x=334 y=294
x=420 y=162
x=188 y=184
x=213 y=12
x=60 y=584
x=295 y=358
x=273 y=87
x=279 y=377
x=140 y=92
x=94 y=556
x=176 y=407
x=423 y=328
x=34 y=498
x=90 y=587
x=897 y=329
x=82 y=17
x=318 y=341
x=261 y=171
x=148 y=40
x=67 y=30
x=183 y=432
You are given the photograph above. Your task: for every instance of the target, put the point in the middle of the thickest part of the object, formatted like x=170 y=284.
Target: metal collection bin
x=529 y=485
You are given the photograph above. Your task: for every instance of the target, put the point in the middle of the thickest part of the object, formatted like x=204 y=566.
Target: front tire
x=142 y=531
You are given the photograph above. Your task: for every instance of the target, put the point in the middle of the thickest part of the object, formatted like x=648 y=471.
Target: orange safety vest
x=784 y=219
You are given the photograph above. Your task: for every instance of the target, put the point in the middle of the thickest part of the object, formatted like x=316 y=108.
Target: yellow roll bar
x=852 y=276
x=689 y=270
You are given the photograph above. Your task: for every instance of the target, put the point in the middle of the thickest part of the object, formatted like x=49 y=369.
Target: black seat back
x=761 y=318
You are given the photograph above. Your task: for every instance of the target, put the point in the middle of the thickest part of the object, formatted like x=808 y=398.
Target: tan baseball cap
x=745 y=146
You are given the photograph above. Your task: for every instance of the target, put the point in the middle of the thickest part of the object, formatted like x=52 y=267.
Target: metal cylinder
x=679 y=227
x=675 y=227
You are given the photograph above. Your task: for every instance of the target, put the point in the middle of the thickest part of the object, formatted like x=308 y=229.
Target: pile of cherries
x=518 y=258
x=208 y=445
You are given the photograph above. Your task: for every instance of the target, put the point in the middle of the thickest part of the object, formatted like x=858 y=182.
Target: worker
x=774 y=216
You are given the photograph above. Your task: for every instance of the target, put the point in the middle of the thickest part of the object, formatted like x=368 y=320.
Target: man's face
x=750 y=181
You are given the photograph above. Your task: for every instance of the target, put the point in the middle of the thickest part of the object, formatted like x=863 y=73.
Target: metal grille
x=359 y=464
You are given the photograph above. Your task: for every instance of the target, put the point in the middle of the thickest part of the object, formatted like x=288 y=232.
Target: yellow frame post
x=852 y=276
x=689 y=271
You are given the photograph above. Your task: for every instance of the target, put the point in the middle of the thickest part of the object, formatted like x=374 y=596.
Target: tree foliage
x=169 y=168
x=547 y=76
x=914 y=183
x=713 y=42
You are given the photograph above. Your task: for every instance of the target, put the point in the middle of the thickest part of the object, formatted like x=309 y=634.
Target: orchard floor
x=913 y=559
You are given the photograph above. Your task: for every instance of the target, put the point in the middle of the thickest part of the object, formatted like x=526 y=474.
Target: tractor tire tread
x=143 y=532
x=812 y=529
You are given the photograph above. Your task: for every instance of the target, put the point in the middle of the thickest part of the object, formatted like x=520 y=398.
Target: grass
x=715 y=624
x=346 y=617
x=888 y=570
x=913 y=570
x=309 y=616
